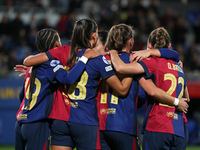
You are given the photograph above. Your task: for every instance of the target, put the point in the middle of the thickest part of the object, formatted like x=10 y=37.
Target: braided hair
x=45 y=40
x=159 y=38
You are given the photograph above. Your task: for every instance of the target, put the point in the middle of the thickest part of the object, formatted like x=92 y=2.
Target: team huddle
x=85 y=95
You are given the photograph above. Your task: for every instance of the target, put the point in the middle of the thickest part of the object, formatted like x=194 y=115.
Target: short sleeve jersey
x=82 y=94
x=59 y=53
x=60 y=100
x=43 y=93
x=168 y=76
x=117 y=113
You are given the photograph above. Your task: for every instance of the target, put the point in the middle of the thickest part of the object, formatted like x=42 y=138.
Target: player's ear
x=131 y=41
x=95 y=37
x=150 y=46
x=169 y=45
x=57 y=44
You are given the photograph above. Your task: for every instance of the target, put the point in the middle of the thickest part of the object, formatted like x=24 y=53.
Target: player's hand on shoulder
x=180 y=63
x=139 y=55
x=90 y=53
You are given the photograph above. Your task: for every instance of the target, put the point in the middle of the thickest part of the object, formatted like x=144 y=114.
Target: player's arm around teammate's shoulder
x=162 y=96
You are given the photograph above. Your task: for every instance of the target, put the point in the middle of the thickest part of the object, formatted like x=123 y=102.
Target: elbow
x=66 y=81
x=188 y=100
x=26 y=63
x=119 y=69
x=152 y=93
x=123 y=93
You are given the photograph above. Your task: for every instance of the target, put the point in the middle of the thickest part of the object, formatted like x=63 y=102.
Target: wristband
x=176 y=101
x=84 y=59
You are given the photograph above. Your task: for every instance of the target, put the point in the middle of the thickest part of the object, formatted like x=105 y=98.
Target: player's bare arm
x=121 y=87
x=142 y=54
x=121 y=67
x=33 y=60
x=162 y=96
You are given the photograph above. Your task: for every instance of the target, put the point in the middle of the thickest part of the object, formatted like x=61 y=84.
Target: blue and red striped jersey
x=117 y=113
x=168 y=76
x=77 y=103
x=43 y=93
x=82 y=94
x=60 y=100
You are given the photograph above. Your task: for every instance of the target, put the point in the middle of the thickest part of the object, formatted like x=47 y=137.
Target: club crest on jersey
x=105 y=60
x=54 y=63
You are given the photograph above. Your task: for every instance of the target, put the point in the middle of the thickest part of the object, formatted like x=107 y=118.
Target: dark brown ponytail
x=81 y=37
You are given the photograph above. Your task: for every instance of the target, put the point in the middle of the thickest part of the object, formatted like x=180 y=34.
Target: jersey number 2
x=173 y=86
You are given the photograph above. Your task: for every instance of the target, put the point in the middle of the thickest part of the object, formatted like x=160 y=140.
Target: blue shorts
x=60 y=134
x=186 y=135
x=104 y=144
x=164 y=141
x=118 y=141
x=19 y=143
x=32 y=136
x=75 y=135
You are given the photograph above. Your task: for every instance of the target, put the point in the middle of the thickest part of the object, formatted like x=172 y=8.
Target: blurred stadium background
x=21 y=19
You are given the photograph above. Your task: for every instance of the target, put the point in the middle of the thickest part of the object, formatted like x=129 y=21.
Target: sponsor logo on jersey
x=23 y=117
x=74 y=104
x=58 y=67
x=105 y=60
x=108 y=111
x=54 y=63
x=108 y=68
x=175 y=116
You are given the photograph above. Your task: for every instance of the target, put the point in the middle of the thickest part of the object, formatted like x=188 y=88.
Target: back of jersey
x=43 y=94
x=169 y=76
x=117 y=113
x=82 y=93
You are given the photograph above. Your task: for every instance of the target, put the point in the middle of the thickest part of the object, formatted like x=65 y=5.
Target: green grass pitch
x=12 y=148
